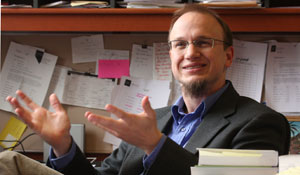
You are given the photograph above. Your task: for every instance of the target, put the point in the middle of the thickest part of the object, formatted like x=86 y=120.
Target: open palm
x=53 y=127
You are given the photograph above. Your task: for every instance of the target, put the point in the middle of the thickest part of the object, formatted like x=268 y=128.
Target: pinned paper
x=13 y=130
x=113 y=68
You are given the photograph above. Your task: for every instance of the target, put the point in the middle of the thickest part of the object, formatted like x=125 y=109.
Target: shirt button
x=182 y=129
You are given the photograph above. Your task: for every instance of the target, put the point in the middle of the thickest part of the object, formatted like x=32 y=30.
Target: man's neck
x=191 y=103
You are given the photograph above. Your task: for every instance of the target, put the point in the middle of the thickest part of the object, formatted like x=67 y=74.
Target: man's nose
x=192 y=52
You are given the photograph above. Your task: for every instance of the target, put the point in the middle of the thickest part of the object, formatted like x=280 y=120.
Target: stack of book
x=236 y=162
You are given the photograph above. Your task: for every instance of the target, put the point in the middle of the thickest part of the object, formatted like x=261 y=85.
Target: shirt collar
x=177 y=108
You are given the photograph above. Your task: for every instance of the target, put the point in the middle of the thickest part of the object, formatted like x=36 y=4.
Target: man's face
x=195 y=64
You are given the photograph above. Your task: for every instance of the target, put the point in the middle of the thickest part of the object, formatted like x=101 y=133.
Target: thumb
x=147 y=107
x=55 y=103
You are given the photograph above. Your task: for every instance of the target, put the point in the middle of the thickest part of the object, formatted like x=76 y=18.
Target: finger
x=24 y=114
x=147 y=107
x=14 y=102
x=117 y=112
x=9 y=100
x=107 y=123
x=27 y=100
x=55 y=103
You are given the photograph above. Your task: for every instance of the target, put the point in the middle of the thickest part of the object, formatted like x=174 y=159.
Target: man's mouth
x=194 y=66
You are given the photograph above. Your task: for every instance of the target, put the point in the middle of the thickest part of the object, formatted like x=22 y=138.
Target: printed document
x=87 y=91
x=141 y=62
x=131 y=91
x=57 y=85
x=247 y=70
x=28 y=69
x=283 y=77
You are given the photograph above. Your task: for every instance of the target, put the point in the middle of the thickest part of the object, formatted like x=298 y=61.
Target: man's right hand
x=54 y=128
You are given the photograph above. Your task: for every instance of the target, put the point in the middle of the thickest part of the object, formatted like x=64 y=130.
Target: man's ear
x=229 y=56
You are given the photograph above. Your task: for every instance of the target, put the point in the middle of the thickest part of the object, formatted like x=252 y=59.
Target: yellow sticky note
x=13 y=130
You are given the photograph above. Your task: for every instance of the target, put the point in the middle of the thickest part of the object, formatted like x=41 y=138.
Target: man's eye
x=180 y=44
x=202 y=43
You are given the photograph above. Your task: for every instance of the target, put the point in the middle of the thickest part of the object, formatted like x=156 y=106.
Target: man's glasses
x=204 y=43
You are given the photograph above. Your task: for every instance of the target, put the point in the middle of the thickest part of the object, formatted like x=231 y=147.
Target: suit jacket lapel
x=212 y=123
x=162 y=123
x=214 y=120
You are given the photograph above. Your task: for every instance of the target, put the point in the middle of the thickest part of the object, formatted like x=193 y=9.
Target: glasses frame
x=194 y=41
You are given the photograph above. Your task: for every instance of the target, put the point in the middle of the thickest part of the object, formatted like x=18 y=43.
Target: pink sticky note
x=113 y=68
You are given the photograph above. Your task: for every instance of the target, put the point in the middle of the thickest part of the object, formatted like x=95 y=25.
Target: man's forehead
x=201 y=20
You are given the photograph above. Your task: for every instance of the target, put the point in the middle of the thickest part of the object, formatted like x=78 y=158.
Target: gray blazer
x=234 y=122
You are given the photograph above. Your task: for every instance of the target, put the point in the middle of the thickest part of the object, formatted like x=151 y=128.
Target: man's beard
x=195 y=89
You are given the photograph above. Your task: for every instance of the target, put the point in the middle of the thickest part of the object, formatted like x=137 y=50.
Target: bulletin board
x=60 y=44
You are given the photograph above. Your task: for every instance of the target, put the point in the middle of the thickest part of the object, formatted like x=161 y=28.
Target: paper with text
x=131 y=91
x=57 y=85
x=162 y=66
x=248 y=67
x=141 y=65
x=27 y=69
x=108 y=54
x=87 y=91
x=86 y=48
x=283 y=77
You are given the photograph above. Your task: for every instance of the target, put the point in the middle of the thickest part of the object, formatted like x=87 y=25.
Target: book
x=236 y=162
x=237 y=157
x=233 y=170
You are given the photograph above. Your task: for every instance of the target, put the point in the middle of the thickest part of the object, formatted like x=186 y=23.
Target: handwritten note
x=162 y=68
x=108 y=54
x=86 y=48
x=141 y=62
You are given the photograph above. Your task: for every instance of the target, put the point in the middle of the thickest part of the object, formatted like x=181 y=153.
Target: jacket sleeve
x=78 y=165
x=173 y=159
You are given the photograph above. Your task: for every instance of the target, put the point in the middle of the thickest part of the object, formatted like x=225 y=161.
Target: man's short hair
x=227 y=34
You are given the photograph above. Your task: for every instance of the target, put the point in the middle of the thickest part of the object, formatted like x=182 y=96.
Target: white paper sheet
x=57 y=85
x=86 y=48
x=162 y=66
x=283 y=77
x=87 y=91
x=175 y=92
x=141 y=65
x=247 y=70
x=289 y=161
x=130 y=93
x=22 y=70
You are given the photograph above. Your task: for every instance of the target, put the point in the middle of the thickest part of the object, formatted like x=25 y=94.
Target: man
x=210 y=112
